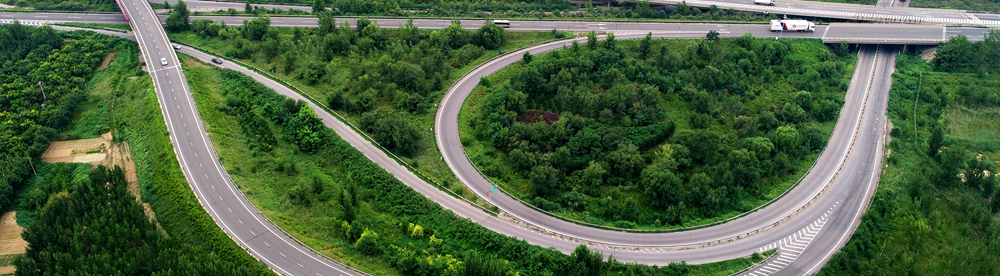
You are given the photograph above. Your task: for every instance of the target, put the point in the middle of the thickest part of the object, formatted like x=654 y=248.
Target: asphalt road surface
x=724 y=251
x=200 y=165
x=832 y=215
x=789 y=7
x=915 y=33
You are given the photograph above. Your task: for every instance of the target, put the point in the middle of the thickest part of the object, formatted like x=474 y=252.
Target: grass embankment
x=65 y=5
x=968 y=5
x=121 y=98
x=343 y=70
x=120 y=27
x=766 y=124
x=935 y=209
x=337 y=201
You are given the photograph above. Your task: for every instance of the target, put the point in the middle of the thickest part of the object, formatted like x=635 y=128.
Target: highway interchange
x=813 y=220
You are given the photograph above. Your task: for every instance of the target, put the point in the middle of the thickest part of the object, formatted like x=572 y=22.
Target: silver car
x=163 y=61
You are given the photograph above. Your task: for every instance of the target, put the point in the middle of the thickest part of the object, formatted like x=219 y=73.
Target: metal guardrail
x=255 y=209
x=757 y=264
x=833 y=14
x=342 y=119
x=789 y=189
x=565 y=237
x=613 y=246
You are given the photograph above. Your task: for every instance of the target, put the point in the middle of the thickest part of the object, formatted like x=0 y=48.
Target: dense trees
x=597 y=125
x=116 y=238
x=376 y=218
x=33 y=59
x=961 y=55
x=179 y=19
x=67 y=5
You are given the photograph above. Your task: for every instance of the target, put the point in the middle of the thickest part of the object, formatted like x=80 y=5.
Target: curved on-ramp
x=664 y=245
x=834 y=173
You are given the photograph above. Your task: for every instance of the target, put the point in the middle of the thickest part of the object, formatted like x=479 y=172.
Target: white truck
x=764 y=2
x=792 y=25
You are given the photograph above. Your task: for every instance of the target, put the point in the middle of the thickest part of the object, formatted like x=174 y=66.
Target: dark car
x=217 y=60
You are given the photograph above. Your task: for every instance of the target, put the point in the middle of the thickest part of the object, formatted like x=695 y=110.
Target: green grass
x=968 y=5
x=924 y=221
x=428 y=160
x=267 y=177
x=122 y=27
x=122 y=97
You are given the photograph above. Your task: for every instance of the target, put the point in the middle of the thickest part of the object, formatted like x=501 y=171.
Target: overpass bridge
x=850 y=12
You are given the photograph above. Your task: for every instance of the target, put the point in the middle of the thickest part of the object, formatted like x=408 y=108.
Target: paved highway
x=826 y=216
x=202 y=168
x=868 y=33
x=790 y=7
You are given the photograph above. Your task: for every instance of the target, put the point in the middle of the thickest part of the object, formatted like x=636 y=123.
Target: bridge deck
x=884 y=33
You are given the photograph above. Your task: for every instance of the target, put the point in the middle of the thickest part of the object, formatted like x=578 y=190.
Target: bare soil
x=10 y=236
x=194 y=63
x=534 y=116
x=107 y=60
x=94 y=151
x=929 y=54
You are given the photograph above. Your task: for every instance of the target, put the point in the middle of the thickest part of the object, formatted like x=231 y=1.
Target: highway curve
x=837 y=209
x=847 y=158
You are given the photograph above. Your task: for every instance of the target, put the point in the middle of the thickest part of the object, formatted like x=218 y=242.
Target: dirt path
x=107 y=60
x=10 y=235
x=11 y=243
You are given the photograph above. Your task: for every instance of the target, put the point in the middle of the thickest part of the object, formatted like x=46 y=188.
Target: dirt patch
x=100 y=151
x=534 y=116
x=93 y=151
x=107 y=60
x=194 y=63
x=10 y=235
x=928 y=54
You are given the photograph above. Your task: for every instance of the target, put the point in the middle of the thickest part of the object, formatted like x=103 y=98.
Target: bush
x=368 y=243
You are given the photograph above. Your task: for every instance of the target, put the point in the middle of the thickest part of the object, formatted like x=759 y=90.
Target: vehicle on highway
x=764 y=2
x=163 y=61
x=502 y=23
x=176 y=47
x=792 y=25
x=217 y=60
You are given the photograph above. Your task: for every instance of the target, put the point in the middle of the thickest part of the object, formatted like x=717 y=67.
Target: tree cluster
x=960 y=55
x=593 y=129
x=90 y=224
x=377 y=216
x=30 y=115
x=67 y=5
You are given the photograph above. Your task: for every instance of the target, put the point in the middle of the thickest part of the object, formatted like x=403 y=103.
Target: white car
x=163 y=61
x=764 y=2
x=176 y=47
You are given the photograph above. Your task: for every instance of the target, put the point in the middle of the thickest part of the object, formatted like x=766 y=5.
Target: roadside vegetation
x=968 y=5
x=386 y=81
x=66 y=5
x=935 y=211
x=81 y=103
x=657 y=133
x=29 y=119
x=292 y=167
x=557 y=10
